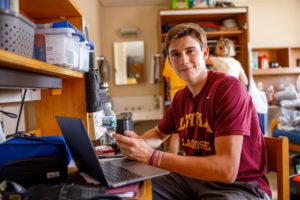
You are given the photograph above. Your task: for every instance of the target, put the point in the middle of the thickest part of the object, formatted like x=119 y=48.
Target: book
x=131 y=190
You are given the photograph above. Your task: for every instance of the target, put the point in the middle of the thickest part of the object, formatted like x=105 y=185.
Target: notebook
x=111 y=173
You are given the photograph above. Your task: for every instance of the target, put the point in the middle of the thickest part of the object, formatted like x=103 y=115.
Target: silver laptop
x=111 y=173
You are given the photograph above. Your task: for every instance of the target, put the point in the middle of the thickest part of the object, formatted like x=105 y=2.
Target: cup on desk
x=124 y=124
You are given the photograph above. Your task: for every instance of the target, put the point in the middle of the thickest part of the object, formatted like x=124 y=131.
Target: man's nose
x=184 y=59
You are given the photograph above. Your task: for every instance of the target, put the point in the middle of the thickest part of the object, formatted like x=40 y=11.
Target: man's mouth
x=186 y=69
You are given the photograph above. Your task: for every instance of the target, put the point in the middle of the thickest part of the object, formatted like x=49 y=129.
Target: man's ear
x=205 y=53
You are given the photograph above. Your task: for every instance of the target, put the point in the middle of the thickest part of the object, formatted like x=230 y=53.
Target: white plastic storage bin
x=40 y=43
x=62 y=50
x=84 y=59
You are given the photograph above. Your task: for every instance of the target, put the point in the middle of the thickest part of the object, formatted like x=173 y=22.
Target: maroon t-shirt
x=223 y=107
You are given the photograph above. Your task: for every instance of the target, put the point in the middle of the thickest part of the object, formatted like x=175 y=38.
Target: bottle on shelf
x=109 y=121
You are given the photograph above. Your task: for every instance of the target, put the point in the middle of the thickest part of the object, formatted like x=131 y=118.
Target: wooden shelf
x=276 y=71
x=71 y=99
x=216 y=34
x=47 y=11
x=273 y=107
x=14 y=61
x=38 y=9
x=192 y=15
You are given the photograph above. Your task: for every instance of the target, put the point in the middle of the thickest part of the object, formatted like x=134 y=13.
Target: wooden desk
x=146 y=191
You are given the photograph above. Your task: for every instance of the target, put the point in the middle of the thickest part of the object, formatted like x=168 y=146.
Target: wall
x=274 y=23
x=10 y=101
x=10 y=123
x=92 y=11
x=271 y=22
x=143 y=17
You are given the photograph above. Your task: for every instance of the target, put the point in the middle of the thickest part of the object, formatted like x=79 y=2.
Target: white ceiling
x=111 y=3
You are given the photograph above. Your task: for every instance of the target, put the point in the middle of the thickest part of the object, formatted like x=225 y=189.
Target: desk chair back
x=278 y=161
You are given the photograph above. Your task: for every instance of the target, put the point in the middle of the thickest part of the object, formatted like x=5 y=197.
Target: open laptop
x=111 y=173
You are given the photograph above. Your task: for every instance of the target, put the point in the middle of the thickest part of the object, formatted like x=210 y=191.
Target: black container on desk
x=124 y=122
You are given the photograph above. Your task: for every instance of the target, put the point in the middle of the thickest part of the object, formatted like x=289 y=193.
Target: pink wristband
x=152 y=157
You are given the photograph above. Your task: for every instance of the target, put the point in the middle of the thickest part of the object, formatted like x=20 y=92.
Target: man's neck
x=196 y=87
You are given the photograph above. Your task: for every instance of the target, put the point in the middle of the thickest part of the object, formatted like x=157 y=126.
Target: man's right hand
x=134 y=147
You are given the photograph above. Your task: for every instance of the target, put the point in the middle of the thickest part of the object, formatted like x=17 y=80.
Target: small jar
x=263 y=62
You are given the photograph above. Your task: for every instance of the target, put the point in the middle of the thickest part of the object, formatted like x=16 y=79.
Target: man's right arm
x=154 y=137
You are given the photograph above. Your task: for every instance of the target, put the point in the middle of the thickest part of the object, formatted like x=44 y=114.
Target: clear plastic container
x=62 y=50
x=40 y=43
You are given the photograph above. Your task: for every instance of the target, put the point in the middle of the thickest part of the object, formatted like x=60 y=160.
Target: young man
x=218 y=128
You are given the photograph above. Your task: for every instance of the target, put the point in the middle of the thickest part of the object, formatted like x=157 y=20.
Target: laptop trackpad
x=137 y=167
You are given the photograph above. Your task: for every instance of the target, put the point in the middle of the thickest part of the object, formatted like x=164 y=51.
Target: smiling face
x=188 y=59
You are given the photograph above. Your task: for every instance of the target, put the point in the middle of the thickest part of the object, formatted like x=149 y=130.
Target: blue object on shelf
x=293 y=136
x=263 y=122
x=67 y=24
x=79 y=34
x=91 y=45
x=63 y=24
x=4 y=4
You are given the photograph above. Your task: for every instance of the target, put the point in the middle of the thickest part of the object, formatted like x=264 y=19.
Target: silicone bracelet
x=159 y=158
x=152 y=157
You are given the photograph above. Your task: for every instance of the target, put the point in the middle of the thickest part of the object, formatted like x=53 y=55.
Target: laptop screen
x=81 y=147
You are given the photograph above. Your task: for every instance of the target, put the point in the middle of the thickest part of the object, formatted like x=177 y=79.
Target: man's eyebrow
x=174 y=51
x=192 y=47
x=187 y=48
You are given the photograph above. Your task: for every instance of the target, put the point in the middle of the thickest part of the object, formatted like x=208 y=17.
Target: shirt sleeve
x=233 y=109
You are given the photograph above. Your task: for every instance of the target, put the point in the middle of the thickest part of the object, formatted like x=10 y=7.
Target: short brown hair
x=186 y=29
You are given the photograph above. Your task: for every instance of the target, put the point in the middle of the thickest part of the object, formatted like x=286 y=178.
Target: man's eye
x=190 y=51
x=175 y=54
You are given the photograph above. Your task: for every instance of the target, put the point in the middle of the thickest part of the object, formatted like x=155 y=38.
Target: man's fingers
x=131 y=134
x=122 y=138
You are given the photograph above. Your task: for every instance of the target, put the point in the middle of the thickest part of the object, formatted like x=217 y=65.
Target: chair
x=278 y=161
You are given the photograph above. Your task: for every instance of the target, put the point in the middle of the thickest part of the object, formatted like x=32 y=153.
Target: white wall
x=10 y=101
x=92 y=12
x=274 y=23
x=142 y=17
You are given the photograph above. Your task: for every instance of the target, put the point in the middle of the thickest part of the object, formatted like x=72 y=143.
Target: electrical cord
x=8 y=114
x=20 y=111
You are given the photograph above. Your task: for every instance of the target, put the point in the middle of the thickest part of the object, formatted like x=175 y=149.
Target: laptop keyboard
x=117 y=173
